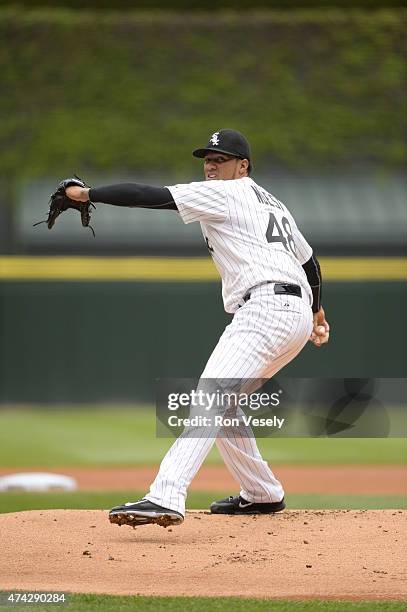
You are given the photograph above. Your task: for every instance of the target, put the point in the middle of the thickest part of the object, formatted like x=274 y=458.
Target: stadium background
x=87 y=325
x=319 y=93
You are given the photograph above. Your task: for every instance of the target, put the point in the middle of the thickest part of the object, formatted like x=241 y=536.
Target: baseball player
x=271 y=283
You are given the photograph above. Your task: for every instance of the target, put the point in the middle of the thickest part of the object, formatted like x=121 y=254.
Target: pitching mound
x=298 y=554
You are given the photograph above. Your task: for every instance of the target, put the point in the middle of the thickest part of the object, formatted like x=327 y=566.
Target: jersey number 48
x=277 y=234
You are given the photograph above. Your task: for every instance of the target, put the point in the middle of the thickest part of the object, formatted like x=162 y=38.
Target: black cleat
x=238 y=505
x=144 y=512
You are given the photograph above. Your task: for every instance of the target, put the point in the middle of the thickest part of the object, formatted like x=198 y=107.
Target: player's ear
x=244 y=167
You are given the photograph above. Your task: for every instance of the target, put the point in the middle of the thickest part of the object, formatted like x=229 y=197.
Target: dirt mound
x=298 y=554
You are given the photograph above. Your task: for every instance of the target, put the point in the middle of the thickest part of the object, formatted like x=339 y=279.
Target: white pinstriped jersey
x=251 y=235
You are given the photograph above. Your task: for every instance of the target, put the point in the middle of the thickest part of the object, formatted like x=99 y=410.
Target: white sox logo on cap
x=215 y=138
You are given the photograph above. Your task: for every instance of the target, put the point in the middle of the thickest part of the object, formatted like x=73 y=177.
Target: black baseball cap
x=227 y=141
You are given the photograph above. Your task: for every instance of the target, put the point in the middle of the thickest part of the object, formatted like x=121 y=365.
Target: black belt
x=279 y=289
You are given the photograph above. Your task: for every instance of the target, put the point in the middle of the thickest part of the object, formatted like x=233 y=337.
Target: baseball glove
x=59 y=203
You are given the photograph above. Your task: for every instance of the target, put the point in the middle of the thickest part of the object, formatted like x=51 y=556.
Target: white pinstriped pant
x=264 y=335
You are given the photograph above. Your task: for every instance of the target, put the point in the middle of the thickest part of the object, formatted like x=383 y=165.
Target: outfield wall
x=104 y=341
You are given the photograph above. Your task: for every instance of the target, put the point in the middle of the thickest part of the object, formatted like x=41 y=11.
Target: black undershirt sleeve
x=134 y=195
x=313 y=271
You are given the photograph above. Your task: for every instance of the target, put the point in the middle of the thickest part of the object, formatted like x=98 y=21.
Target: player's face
x=222 y=167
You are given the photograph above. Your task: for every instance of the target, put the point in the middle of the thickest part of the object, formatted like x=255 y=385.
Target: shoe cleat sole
x=163 y=520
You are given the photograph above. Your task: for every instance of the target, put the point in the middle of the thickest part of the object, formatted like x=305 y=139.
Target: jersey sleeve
x=302 y=248
x=204 y=201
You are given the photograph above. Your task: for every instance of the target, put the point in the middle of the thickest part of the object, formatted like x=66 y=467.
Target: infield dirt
x=339 y=479
x=343 y=554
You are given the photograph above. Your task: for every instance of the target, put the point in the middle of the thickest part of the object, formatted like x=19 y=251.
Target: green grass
x=13 y=502
x=109 y=603
x=112 y=436
x=79 y=437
